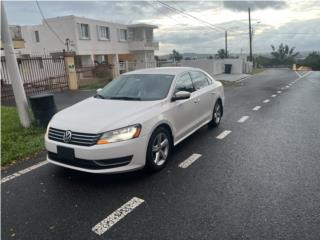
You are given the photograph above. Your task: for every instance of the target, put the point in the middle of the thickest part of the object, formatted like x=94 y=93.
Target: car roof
x=163 y=70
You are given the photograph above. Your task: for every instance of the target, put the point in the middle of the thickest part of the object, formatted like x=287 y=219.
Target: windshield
x=137 y=87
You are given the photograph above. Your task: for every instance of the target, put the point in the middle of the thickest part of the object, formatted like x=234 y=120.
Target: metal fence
x=39 y=74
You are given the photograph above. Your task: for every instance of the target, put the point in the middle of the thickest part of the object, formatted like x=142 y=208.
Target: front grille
x=92 y=164
x=82 y=139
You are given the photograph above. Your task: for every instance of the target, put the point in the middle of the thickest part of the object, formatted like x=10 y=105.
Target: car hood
x=95 y=115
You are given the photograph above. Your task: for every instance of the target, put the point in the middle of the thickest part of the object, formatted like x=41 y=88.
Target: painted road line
x=256 y=108
x=186 y=163
x=273 y=95
x=24 y=171
x=266 y=101
x=297 y=73
x=243 y=119
x=116 y=216
x=223 y=134
x=279 y=91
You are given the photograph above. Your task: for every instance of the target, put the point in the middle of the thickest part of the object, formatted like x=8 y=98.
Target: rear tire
x=159 y=150
x=217 y=114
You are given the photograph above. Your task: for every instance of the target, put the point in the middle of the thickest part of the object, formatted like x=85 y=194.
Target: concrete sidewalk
x=230 y=77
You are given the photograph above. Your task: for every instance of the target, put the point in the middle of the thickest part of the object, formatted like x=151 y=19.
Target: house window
x=123 y=36
x=103 y=33
x=36 y=34
x=84 y=31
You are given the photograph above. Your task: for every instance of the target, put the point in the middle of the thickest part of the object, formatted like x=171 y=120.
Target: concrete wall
x=64 y=27
x=216 y=66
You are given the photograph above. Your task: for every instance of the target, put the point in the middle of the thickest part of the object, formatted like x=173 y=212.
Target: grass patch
x=257 y=70
x=93 y=83
x=18 y=142
x=229 y=83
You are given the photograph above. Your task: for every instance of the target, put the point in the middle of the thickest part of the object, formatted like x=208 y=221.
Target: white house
x=92 y=40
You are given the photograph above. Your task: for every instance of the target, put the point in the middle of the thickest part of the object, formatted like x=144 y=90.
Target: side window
x=199 y=80
x=184 y=83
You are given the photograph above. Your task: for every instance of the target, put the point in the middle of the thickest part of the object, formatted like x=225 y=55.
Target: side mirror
x=181 y=95
x=98 y=90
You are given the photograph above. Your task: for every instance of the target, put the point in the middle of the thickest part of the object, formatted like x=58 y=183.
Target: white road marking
x=306 y=74
x=256 y=108
x=273 y=95
x=266 y=101
x=279 y=91
x=297 y=73
x=223 y=134
x=243 y=119
x=116 y=216
x=186 y=163
x=24 y=171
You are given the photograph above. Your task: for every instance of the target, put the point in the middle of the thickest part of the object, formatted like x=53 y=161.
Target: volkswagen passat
x=134 y=121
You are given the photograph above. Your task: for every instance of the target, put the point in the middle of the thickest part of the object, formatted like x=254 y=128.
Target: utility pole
x=226 y=43
x=250 y=35
x=13 y=70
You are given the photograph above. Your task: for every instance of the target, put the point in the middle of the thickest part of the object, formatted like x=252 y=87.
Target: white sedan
x=135 y=120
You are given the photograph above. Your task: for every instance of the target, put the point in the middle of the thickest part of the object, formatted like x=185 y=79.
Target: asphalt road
x=262 y=181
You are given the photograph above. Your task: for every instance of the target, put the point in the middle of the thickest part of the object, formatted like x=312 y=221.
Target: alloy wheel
x=160 y=149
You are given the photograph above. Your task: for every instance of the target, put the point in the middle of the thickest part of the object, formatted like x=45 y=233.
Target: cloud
x=186 y=34
x=253 y=5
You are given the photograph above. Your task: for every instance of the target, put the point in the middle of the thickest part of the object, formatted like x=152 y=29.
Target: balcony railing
x=143 y=45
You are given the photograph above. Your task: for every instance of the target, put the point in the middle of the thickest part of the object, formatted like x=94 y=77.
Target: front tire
x=159 y=149
x=217 y=114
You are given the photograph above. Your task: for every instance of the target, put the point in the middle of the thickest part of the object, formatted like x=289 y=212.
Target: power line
x=213 y=27
x=46 y=22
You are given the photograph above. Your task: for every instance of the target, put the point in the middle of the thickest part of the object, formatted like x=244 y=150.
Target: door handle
x=197 y=100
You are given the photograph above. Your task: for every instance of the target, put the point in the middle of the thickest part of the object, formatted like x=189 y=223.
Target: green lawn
x=18 y=142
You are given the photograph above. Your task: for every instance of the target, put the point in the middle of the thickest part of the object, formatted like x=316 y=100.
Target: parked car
x=135 y=120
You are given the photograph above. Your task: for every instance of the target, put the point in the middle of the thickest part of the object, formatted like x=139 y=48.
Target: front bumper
x=107 y=158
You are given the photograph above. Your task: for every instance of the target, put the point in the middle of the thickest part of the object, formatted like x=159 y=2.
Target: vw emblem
x=67 y=136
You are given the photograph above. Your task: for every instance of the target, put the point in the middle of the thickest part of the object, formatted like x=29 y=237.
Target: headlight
x=121 y=134
x=47 y=131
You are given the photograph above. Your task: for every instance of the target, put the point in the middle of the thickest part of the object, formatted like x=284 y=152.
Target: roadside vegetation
x=18 y=142
x=286 y=56
x=93 y=84
x=257 y=70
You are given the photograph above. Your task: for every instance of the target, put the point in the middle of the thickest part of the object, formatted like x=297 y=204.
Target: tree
x=221 y=53
x=283 y=54
x=175 y=56
x=313 y=61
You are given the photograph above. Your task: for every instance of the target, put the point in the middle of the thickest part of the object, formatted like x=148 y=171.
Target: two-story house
x=93 y=41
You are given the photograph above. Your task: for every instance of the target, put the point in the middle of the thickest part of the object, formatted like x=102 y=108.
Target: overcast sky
x=296 y=23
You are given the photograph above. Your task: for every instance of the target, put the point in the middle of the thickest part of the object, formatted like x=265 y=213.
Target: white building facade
x=93 y=41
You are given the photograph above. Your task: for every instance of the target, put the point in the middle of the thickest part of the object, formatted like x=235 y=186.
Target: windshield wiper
x=126 y=98
x=97 y=95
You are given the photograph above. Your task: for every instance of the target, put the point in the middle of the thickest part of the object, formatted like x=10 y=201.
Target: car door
x=205 y=95
x=184 y=113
